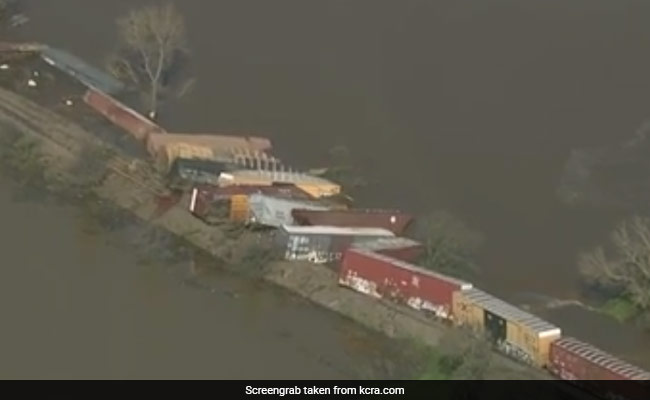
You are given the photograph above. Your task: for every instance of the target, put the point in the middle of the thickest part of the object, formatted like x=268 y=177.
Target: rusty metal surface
x=395 y=221
x=121 y=115
x=572 y=358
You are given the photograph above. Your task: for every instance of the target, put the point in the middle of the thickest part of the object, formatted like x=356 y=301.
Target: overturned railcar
x=393 y=220
x=323 y=244
x=401 y=248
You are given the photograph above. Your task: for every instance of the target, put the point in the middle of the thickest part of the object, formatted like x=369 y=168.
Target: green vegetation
x=250 y=253
x=623 y=270
x=449 y=245
x=21 y=157
x=460 y=356
x=435 y=369
x=620 y=308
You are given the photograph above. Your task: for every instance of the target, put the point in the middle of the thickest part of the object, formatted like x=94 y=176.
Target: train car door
x=495 y=326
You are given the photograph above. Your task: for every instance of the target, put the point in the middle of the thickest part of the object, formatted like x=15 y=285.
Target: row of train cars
x=384 y=267
x=517 y=333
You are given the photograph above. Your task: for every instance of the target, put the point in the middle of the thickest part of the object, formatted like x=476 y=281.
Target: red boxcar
x=121 y=115
x=204 y=196
x=394 y=221
x=385 y=277
x=572 y=359
x=400 y=248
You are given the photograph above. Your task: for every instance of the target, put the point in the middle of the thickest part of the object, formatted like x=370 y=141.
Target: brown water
x=74 y=306
x=471 y=106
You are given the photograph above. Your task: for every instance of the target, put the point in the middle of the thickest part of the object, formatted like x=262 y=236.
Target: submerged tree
x=449 y=244
x=626 y=271
x=152 y=42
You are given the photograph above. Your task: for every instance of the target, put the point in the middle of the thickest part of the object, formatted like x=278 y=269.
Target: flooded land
x=468 y=106
x=79 y=302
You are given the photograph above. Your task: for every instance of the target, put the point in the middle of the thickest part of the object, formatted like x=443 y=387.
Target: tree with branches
x=625 y=269
x=152 y=41
x=449 y=244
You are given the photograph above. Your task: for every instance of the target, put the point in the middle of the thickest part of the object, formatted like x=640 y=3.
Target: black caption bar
x=340 y=389
x=438 y=390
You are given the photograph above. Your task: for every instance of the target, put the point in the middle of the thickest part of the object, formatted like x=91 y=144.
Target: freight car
x=395 y=221
x=210 y=202
x=275 y=211
x=386 y=277
x=121 y=115
x=323 y=244
x=316 y=187
x=80 y=70
x=187 y=172
x=515 y=332
x=400 y=248
x=157 y=141
x=574 y=360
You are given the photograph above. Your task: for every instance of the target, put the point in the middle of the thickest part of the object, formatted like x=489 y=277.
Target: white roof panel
x=508 y=311
x=336 y=230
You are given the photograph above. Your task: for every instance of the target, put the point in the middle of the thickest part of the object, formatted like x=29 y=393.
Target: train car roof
x=602 y=358
x=512 y=313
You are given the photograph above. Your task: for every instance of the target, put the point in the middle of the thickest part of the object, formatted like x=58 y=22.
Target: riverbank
x=131 y=184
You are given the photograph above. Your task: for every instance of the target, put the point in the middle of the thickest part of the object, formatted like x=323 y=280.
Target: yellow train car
x=168 y=153
x=514 y=331
x=315 y=186
x=239 y=208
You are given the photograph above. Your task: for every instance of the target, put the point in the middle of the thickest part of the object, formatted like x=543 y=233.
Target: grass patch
x=621 y=309
x=435 y=368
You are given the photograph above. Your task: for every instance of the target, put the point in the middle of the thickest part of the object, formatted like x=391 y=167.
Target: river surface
x=471 y=106
x=76 y=303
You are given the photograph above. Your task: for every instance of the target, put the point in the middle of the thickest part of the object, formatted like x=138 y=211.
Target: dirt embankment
x=72 y=154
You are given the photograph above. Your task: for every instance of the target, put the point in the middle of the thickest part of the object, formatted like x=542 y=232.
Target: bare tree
x=152 y=40
x=448 y=244
x=627 y=269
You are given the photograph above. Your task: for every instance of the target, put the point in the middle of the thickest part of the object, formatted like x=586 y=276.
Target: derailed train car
x=386 y=277
x=323 y=244
x=513 y=331
x=393 y=220
x=217 y=203
x=401 y=248
x=315 y=186
x=274 y=211
x=121 y=115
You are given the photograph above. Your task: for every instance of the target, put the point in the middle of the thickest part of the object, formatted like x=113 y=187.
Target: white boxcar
x=322 y=244
x=276 y=211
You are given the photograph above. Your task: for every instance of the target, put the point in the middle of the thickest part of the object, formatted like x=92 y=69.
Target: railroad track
x=72 y=140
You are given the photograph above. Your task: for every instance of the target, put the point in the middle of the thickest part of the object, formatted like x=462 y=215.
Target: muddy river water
x=76 y=303
x=470 y=106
